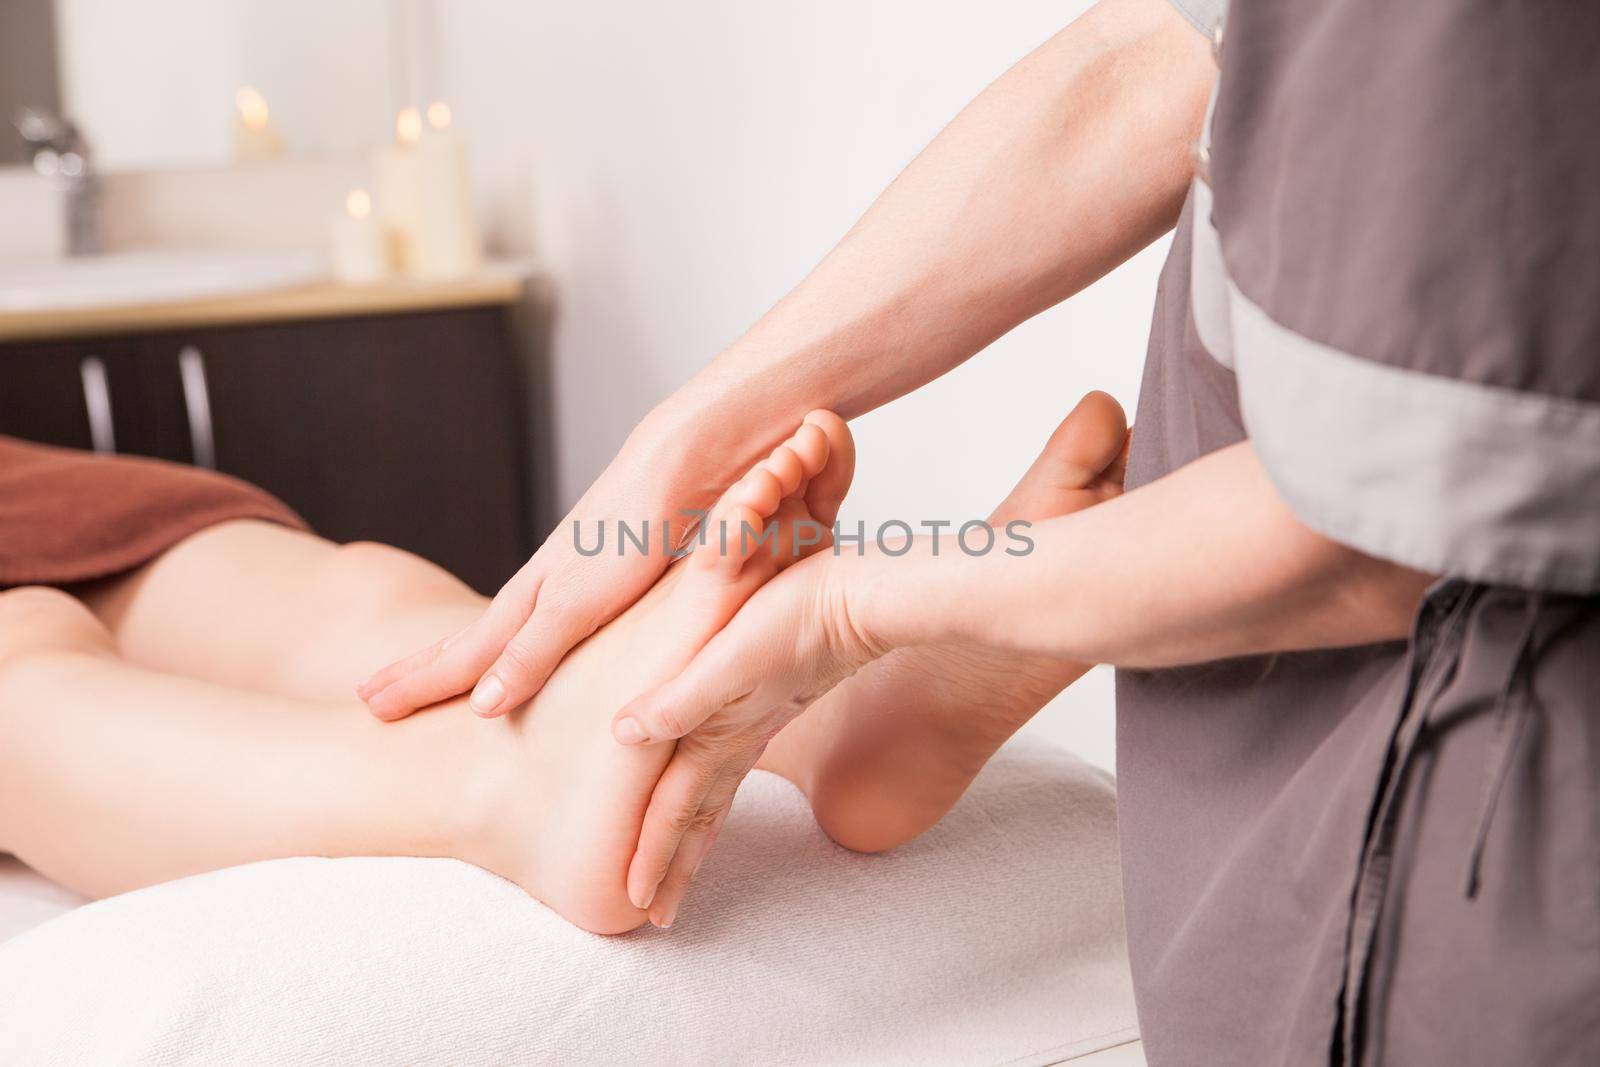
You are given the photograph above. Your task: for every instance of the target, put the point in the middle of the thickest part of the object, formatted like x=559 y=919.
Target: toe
x=810 y=445
x=1111 y=479
x=761 y=491
x=803 y=481
x=1082 y=463
x=731 y=540
x=827 y=488
x=785 y=465
x=1088 y=440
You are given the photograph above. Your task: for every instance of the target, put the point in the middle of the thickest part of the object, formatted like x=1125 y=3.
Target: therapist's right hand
x=560 y=596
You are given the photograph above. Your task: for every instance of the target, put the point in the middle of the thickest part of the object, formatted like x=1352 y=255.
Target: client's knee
x=369 y=571
x=38 y=620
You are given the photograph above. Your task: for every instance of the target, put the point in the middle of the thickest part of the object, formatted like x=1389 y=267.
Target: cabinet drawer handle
x=97 y=401
x=197 y=401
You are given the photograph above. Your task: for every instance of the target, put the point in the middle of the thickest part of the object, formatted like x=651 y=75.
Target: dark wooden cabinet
x=406 y=429
x=43 y=392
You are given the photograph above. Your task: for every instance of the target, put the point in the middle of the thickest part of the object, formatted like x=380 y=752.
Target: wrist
x=677 y=457
x=707 y=435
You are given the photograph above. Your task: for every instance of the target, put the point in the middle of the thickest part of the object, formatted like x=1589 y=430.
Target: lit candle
x=448 y=244
x=398 y=184
x=359 y=255
x=254 y=137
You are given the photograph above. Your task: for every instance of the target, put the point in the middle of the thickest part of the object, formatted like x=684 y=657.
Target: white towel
x=996 y=938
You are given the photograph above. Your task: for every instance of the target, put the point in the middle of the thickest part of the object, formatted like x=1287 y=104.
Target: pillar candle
x=397 y=177
x=255 y=139
x=448 y=244
x=359 y=255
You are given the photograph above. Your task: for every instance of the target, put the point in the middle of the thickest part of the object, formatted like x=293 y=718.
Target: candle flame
x=439 y=115
x=358 y=203
x=252 y=107
x=408 y=127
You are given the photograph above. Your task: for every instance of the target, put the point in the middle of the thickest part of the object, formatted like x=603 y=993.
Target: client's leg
x=113 y=776
x=884 y=755
x=135 y=776
x=263 y=607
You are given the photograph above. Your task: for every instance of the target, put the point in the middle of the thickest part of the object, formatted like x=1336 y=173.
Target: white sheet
x=996 y=938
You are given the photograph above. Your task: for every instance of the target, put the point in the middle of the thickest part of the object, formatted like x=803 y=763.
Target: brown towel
x=69 y=516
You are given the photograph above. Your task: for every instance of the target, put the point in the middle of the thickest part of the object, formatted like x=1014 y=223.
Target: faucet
x=58 y=151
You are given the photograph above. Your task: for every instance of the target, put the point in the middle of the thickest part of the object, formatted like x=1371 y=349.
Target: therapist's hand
x=561 y=596
x=790 y=643
x=1068 y=164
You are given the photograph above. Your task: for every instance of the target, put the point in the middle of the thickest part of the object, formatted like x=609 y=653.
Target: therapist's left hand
x=792 y=642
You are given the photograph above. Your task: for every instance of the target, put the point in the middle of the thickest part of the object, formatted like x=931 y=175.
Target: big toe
x=1089 y=440
x=1085 y=452
x=825 y=491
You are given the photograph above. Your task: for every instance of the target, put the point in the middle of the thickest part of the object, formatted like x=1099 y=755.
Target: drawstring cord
x=1436 y=653
x=1438 y=626
x=1508 y=735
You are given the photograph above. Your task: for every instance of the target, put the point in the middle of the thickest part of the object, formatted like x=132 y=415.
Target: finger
x=382 y=680
x=531 y=624
x=462 y=661
x=713 y=680
x=692 y=852
x=674 y=808
x=560 y=618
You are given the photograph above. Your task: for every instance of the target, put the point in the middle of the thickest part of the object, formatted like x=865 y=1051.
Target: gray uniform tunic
x=1387 y=277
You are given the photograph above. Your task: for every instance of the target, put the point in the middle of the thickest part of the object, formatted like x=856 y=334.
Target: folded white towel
x=996 y=938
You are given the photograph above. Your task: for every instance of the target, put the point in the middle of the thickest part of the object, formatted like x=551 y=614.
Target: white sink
x=134 y=278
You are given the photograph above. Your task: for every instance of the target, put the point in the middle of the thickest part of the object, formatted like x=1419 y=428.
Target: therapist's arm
x=1203 y=564
x=1063 y=168
x=1068 y=164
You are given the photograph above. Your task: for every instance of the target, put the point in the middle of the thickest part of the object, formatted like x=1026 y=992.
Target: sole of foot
x=885 y=754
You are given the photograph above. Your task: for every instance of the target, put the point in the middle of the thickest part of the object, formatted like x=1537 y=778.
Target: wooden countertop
x=496 y=284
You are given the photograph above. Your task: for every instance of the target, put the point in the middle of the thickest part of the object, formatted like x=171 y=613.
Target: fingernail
x=649 y=898
x=670 y=918
x=488 y=695
x=629 y=732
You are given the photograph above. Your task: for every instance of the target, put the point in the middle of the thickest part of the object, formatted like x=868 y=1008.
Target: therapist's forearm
x=1203 y=564
x=1063 y=168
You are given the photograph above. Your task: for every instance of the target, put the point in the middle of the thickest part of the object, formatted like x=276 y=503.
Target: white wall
x=676 y=167
x=152 y=83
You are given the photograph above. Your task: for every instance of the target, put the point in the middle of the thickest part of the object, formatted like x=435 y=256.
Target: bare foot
x=563 y=813
x=885 y=754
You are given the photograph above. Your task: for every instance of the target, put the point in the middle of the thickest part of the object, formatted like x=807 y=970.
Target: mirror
x=195 y=82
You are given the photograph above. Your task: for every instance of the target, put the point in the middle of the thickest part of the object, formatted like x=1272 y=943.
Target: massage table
x=995 y=938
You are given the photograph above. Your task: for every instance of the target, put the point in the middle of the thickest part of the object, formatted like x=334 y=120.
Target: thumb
x=710 y=682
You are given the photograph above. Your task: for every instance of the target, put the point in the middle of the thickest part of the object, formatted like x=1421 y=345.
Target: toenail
x=488 y=695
